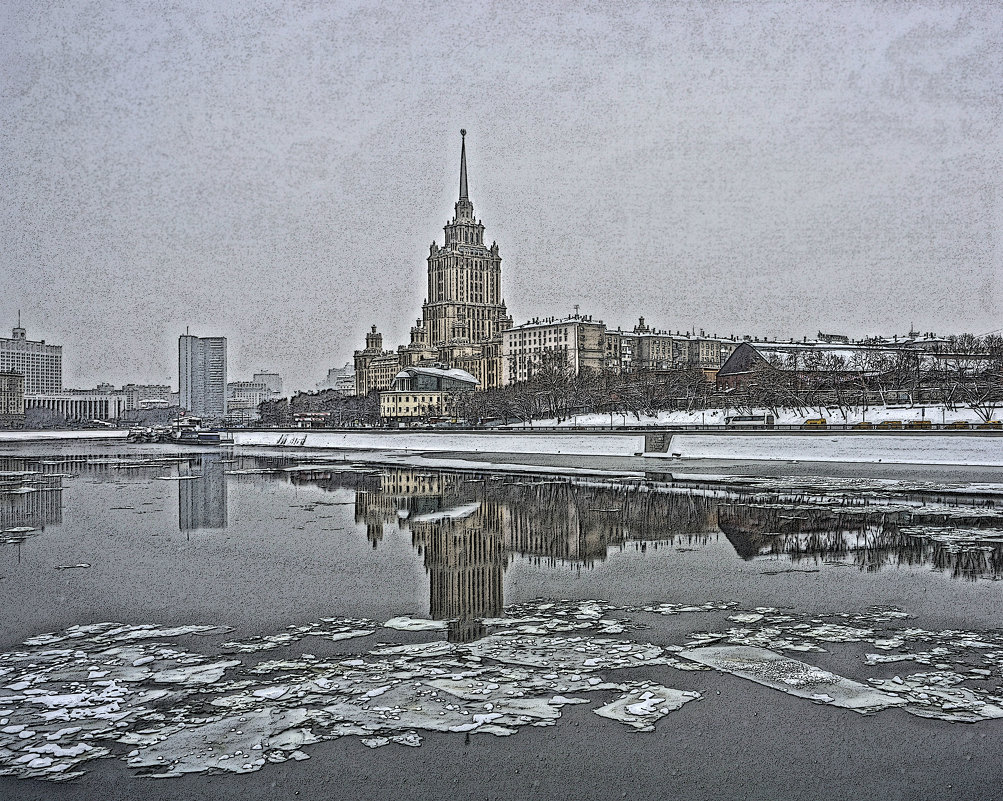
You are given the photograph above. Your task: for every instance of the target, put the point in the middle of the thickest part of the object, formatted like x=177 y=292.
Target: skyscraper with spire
x=464 y=313
x=464 y=300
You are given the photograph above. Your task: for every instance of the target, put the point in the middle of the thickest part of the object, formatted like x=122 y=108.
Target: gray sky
x=275 y=172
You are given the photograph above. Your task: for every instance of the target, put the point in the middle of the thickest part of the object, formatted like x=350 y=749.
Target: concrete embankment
x=560 y=443
x=970 y=448
x=918 y=448
x=43 y=436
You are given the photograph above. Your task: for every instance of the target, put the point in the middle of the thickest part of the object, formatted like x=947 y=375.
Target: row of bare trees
x=337 y=409
x=964 y=372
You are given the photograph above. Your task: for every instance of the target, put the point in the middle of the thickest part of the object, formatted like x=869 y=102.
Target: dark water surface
x=270 y=546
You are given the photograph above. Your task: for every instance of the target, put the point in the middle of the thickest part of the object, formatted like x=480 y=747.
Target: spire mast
x=463 y=164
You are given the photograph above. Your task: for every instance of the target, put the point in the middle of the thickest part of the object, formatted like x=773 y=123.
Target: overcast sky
x=276 y=171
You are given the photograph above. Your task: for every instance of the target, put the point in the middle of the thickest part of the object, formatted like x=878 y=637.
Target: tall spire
x=463 y=164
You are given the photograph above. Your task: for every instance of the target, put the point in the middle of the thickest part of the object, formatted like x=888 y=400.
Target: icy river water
x=230 y=625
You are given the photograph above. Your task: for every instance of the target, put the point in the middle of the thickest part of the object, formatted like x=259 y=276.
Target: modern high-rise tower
x=202 y=376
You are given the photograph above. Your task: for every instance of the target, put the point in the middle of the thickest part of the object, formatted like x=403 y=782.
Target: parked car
x=816 y=422
x=919 y=424
x=990 y=424
x=864 y=424
x=890 y=424
x=958 y=424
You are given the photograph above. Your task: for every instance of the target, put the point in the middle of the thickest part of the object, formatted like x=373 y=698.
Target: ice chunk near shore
x=793 y=677
x=643 y=706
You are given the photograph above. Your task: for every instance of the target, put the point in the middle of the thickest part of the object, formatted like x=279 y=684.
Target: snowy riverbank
x=783 y=417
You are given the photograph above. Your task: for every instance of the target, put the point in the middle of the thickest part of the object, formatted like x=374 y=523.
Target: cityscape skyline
x=736 y=170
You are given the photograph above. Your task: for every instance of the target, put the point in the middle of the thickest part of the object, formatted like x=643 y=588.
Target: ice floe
x=643 y=706
x=792 y=677
x=144 y=694
x=331 y=629
x=415 y=624
x=133 y=692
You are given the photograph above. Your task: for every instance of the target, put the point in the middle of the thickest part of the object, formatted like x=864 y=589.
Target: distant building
x=272 y=381
x=422 y=392
x=340 y=379
x=146 y=396
x=11 y=400
x=80 y=406
x=40 y=364
x=644 y=348
x=573 y=343
x=707 y=353
x=375 y=368
x=749 y=359
x=243 y=398
x=653 y=349
x=202 y=376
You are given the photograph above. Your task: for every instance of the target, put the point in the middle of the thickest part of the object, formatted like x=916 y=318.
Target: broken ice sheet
x=578 y=653
x=678 y=609
x=329 y=628
x=112 y=690
x=644 y=705
x=934 y=695
x=792 y=677
x=128 y=692
x=546 y=617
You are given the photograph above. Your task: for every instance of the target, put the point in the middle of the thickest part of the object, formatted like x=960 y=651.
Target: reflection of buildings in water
x=202 y=501
x=467 y=528
x=34 y=501
x=556 y=520
x=851 y=535
x=457 y=535
x=564 y=521
x=465 y=559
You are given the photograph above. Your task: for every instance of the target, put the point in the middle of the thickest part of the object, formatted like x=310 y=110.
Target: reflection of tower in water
x=459 y=534
x=202 y=500
x=464 y=554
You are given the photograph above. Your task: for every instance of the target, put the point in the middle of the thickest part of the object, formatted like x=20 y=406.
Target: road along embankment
x=558 y=443
x=968 y=448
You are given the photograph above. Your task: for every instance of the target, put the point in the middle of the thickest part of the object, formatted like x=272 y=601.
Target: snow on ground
x=927 y=448
x=874 y=414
